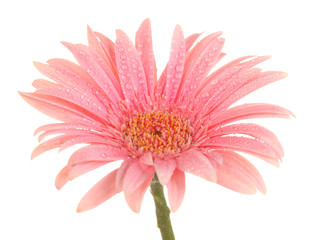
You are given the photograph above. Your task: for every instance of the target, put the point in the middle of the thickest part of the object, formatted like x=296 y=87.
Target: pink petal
x=134 y=199
x=87 y=138
x=108 y=47
x=223 y=75
x=74 y=76
x=160 y=86
x=199 y=62
x=214 y=156
x=75 y=132
x=136 y=175
x=65 y=126
x=145 y=50
x=61 y=178
x=252 y=130
x=82 y=168
x=50 y=144
x=122 y=172
x=164 y=169
x=195 y=162
x=59 y=109
x=261 y=80
x=239 y=174
x=130 y=69
x=95 y=68
x=69 y=173
x=251 y=110
x=96 y=45
x=101 y=153
x=220 y=92
x=176 y=189
x=198 y=51
x=247 y=145
x=190 y=40
x=146 y=158
x=99 y=193
x=41 y=83
x=175 y=64
x=52 y=73
x=83 y=100
x=228 y=179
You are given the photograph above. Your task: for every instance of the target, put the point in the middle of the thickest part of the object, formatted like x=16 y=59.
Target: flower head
x=183 y=122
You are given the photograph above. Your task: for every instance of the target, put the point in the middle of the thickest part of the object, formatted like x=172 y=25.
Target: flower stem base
x=161 y=209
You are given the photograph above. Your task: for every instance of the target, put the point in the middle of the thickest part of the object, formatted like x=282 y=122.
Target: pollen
x=158 y=132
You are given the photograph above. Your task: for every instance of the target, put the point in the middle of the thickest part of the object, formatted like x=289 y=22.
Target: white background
x=31 y=207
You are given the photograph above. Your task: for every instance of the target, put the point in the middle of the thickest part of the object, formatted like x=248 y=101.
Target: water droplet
x=178 y=75
x=103 y=155
x=128 y=86
x=124 y=67
x=214 y=81
x=179 y=68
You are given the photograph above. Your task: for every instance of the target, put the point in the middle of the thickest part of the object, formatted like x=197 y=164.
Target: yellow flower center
x=158 y=132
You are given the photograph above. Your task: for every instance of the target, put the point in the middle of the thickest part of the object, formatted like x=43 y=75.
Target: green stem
x=161 y=210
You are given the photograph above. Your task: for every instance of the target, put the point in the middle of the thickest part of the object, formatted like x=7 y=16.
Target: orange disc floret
x=158 y=132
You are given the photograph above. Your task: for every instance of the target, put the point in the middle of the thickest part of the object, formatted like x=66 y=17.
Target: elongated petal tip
x=218 y=33
x=68 y=45
x=33 y=155
x=36 y=64
x=62 y=178
x=99 y=193
x=263 y=191
x=79 y=209
x=119 y=32
x=89 y=28
x=146 y=22
x=292 y=114
x=90 y=32
x=284 y=74
x=21 y=94
x=178 y=29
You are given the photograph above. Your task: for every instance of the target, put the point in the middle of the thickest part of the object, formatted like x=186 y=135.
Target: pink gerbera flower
x=184 y=122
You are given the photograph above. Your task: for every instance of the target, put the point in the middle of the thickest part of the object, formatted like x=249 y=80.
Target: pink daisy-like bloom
x=184 y=122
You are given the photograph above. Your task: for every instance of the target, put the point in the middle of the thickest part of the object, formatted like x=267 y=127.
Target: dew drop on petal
x=128 y=86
